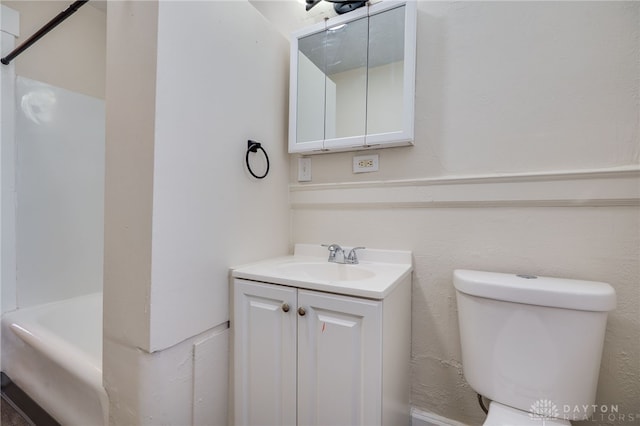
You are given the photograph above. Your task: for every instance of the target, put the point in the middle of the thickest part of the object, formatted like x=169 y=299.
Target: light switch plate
x=365 y=163
x=304 y=169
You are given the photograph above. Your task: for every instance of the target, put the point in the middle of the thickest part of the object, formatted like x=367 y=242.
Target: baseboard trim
x=425 y=418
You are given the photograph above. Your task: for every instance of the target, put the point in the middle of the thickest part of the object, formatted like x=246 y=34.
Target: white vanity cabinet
x=310 y=357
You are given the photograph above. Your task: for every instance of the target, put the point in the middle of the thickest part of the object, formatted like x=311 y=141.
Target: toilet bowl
x=532 y=345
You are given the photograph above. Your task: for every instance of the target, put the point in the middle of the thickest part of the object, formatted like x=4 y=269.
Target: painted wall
x=205 y=202
x=71 y=56
x=517 y=87
x=130 y=122
x=526 y=160
x=181 y=207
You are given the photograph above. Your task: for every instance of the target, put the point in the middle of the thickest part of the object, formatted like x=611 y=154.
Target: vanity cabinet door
x=339 y=360
x=264 y=323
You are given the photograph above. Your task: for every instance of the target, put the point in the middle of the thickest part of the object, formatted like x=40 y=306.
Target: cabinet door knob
x=301 y=312
x=285 y=307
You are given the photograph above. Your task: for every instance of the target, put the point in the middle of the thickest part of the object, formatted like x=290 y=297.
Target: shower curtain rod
x=43 y=31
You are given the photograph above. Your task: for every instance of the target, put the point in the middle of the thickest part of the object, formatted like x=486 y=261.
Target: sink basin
x=326 y=271
x=377 y=274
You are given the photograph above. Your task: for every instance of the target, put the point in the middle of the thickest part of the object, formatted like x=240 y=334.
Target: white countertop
x=375 y=276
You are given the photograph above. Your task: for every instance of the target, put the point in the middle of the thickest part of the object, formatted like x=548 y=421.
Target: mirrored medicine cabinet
x=352 y=80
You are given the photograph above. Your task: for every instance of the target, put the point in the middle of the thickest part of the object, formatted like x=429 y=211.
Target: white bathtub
x=54 y=353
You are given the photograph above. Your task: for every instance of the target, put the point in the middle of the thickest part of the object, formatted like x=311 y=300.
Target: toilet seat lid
x=502 y=415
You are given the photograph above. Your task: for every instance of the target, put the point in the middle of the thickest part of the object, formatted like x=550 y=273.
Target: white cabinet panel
x=339 y=346
x=265 y=354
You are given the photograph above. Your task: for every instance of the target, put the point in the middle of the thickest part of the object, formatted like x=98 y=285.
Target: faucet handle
x=333 y=249
x=352 y=257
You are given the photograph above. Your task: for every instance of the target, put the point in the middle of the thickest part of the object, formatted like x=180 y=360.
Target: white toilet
x=532 y=345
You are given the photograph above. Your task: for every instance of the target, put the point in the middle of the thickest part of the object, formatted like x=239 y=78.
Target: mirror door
x=385 y=72
x=346 y=101
x=353 y=79
x=311 y=91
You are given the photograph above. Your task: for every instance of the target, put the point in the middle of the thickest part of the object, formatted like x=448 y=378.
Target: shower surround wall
x=60 y=193
x=71 y=60
x=9 y=30
x=187 y=84
x=525 y=160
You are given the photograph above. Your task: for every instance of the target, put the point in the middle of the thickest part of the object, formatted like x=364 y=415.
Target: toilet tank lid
x=533 y=290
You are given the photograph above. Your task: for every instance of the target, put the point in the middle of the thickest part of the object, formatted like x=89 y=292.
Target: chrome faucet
x=352 y=258
x=334 y=250
x=337 y=255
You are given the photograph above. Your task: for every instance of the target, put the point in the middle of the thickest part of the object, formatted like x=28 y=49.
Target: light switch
x=304 y=169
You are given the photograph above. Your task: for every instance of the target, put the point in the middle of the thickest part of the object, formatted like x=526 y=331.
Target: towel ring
x=253 y=146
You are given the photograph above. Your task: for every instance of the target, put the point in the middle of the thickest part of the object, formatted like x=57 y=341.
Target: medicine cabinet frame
x=403 y=137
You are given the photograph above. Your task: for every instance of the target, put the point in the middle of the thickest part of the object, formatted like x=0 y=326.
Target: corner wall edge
x=9 y=21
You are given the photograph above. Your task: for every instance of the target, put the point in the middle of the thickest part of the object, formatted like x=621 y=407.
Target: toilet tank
x=533 y=342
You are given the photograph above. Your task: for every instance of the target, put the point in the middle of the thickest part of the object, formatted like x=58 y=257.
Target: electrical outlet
x=304 y=169
x=365 y=163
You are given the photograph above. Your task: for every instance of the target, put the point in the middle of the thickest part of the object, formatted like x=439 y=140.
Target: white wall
x=595 y=243
x=130 y=121
x=526 y=160
x=516 y=87
x=209 y=213
x=180 y=206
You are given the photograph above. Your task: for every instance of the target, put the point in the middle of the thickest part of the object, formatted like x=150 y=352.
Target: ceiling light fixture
x=340 y=6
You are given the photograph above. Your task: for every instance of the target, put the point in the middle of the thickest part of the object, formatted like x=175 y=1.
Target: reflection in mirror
x=355 y=81
x=346 y=70
x=386 y=71
x=311 y=88
x=332 y=82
